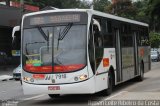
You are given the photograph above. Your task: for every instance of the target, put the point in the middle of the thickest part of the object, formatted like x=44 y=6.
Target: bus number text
x=60 y=76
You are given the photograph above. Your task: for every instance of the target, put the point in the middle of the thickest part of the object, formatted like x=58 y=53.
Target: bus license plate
x=53 y=88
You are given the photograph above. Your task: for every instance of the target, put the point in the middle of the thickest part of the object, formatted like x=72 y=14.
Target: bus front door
x=135 y=54
x=118 y=56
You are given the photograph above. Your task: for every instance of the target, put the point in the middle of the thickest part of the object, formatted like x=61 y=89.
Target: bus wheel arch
x=142 y=65
x=141 y=75
x=54 y=95
x=111 y=70
x=142 y=68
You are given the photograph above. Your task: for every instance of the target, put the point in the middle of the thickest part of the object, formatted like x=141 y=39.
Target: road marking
x=34 y=97
x=116 y=95
x=3 y=92
x=152 y=90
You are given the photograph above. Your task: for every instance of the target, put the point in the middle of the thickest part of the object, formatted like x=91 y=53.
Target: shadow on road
x=66 y=100
x=76 y=100
x=127 y=84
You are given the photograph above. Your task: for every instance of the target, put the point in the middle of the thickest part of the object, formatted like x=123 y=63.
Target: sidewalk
x=6 y=72
x=125 y=95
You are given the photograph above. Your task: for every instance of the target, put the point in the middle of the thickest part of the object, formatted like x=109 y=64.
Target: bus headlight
x=26 y=78
x=83 y=77
x=32 y=80
x=80 y=77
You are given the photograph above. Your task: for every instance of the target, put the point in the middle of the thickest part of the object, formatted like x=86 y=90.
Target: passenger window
x=98 y=41
x=108 y=36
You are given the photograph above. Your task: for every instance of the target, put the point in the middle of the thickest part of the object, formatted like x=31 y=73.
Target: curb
x=6 y=78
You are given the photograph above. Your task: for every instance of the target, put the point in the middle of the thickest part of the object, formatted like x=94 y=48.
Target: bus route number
x=60 y=76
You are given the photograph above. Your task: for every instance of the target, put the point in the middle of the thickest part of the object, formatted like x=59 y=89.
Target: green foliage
x=142 y=11
x=58 y=3
x=84 y=4
x=100 y=5
x=123 y=8
x=154 y=39
x=154 y=9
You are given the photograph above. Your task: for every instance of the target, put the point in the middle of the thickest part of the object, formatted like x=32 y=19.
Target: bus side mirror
x=16 y=38
x=15 y=29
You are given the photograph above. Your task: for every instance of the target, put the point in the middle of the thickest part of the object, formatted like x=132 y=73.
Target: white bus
x=77 y=51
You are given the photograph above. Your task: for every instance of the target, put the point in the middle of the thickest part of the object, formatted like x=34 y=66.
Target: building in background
x=10 y=16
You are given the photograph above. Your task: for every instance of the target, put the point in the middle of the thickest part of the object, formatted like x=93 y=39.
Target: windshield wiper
x=57 y=62
x=46 y=37
x=63 y=33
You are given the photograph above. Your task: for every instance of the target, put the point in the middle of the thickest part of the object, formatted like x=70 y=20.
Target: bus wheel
x=108 y=91
x=141 y=76
x=54 y=95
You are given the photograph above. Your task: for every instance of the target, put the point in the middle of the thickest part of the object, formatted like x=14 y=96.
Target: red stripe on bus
x=38 y=76
x=57 y=68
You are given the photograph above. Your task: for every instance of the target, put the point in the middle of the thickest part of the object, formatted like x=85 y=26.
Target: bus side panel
x=101 y=82
x=108 y=60
x=128 y=64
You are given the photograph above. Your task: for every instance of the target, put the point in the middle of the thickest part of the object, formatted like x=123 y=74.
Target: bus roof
x=92 y=12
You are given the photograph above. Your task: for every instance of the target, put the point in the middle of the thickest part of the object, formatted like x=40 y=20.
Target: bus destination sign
x=39 y=20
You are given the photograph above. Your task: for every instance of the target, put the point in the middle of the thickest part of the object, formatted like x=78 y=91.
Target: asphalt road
x=149 y=89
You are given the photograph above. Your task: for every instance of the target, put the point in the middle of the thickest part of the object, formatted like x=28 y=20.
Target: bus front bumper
x=85 y=87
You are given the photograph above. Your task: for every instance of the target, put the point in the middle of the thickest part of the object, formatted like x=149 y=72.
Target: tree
x=123 y=8
x=154 y=8
x=142 y=9
x=57 y=3
x=100 y=5
x=85 y=4
x=154 y=39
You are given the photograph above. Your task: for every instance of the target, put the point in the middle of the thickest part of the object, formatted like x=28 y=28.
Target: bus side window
x=107 y=34
x=143 y=37
x=98 y=41
x=97 y=37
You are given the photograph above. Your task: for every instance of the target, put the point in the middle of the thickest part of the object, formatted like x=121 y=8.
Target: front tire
x=54 y=95
x=108 y=91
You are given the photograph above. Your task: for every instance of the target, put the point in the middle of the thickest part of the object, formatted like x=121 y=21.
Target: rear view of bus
x=54 y=53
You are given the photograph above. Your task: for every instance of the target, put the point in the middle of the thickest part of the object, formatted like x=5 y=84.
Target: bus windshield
x=59 y=48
